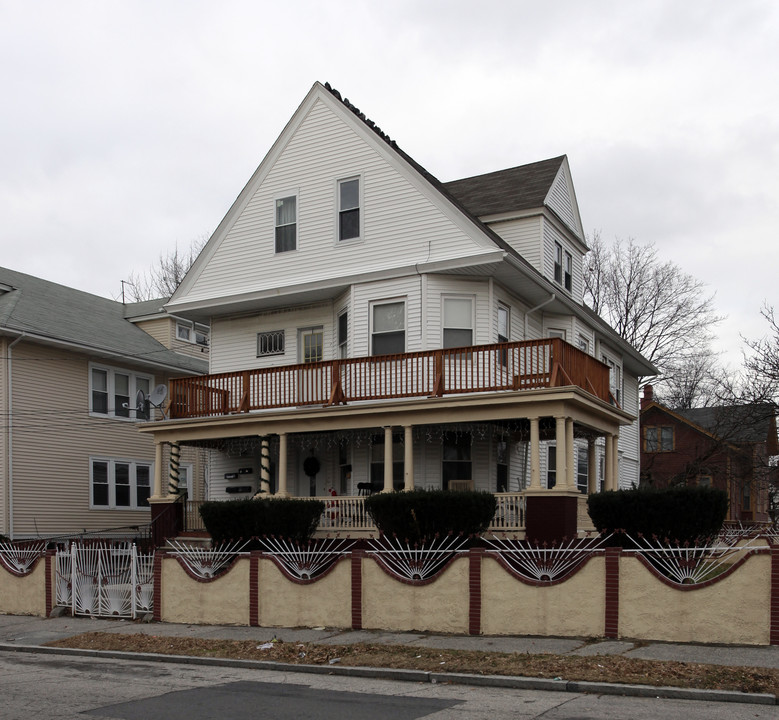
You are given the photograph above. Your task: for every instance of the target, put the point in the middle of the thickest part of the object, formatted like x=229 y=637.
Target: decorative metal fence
x=105 y=580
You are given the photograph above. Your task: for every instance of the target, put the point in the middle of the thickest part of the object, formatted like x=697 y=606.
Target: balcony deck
x=512 y=366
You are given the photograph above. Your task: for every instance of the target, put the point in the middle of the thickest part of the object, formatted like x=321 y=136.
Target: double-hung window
x=113 y=392
x=558 y=263
x=658 y=438
x=615 y=378
x=349 y=209
x=458 y=322
x=119 y=484
x=568 y=274
x=286 y=223
x=388 y=332
x=343 y=334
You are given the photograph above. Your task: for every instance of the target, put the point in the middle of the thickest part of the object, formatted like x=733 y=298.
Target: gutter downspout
x=550 y=299
x=10 y=463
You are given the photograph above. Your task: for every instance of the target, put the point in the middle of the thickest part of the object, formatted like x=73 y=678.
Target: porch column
x=608 y=480
x=408 y=458
x=282 y=491
x=387 y=459
x=535 y=455
x=570 y=460
x=592 y=468
x=615 y=462
x=174 y=463
x=561 y=456
x=264 y=465
x=157 y=471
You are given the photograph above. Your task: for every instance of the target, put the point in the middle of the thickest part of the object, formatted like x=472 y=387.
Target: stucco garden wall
x=23 y=594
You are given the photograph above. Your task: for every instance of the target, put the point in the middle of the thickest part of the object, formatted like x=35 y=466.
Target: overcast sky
x=130 y=127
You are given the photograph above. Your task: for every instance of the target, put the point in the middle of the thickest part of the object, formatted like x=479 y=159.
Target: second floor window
x=343 y=333
x=388 y=335
x=113 y=392
x=286 y=224
x=558 y=263
x=349 y=209
x=270 y=343
x=658 y=438
x=568 y=275
x=458 y=322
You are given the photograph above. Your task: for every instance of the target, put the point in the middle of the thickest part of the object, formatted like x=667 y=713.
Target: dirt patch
x=600 y=668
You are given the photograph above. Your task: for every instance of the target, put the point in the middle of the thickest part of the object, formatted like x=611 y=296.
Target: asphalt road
x=73 y=688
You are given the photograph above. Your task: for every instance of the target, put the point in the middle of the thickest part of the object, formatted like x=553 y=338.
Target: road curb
x=420 y=676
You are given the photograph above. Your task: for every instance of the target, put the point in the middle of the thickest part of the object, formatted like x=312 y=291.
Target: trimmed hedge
x=420 y=515
x=679 y=514
x=289 y=518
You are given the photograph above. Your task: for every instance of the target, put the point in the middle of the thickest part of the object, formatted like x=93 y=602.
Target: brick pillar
x=475 y=556
x=254 y=588
x=611 y=625
x=357 y=560
x=157 y=586
x=774 y=630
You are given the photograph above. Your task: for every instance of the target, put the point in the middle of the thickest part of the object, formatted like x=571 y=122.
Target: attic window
x=349 y=209
x=568 y=271
x=558 y=263
x=286 y=224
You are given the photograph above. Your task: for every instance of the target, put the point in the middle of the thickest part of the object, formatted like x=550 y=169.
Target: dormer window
x=349 y=209
x=286 y=223
x=558 y=263
x=567 y=276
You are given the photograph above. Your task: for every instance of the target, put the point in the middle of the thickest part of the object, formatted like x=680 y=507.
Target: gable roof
x=519 y=188
x=735 y=423
x=54 y=313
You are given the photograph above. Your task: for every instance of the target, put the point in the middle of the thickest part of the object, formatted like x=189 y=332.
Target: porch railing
x=521 y=365
x=345 y=513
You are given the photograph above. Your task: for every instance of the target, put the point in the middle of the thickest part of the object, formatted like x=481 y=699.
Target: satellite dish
x=140 y=401
x=158 y=395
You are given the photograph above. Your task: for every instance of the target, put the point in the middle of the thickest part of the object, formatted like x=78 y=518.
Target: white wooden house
x=402 y=331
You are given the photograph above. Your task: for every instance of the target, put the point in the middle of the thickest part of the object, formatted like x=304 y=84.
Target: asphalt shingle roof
x=734 y=423
x=519 y=188
x=55 y=312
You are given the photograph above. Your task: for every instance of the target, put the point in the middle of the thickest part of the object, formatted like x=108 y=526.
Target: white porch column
x=535 y=455
x=388 y=459
x=608 y=480
x=157 y=494
x=408 y=458
x=282 y=491
x=615 y=462
x=592 y=467
x=561 y=456
x=569 y=455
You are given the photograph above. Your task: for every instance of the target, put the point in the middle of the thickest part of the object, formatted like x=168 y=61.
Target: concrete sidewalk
x=25 y=632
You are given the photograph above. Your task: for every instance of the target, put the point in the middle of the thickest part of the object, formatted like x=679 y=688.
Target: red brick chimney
x=649 y=396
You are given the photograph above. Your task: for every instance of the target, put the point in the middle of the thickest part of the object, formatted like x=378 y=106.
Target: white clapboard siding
x=551 y=236
x=401 y=224
x=525 y=236
x=561 y=199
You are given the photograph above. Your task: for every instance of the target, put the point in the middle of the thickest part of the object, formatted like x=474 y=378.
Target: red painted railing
x=481 y=368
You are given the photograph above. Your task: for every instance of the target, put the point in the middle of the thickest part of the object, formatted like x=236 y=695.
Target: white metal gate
x=105 y=580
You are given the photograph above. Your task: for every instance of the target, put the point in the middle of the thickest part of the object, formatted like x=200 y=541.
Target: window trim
x=360 y=209
x=389 y=301
x=193 y=330
x=568 y=271
x=111 y=373
x=558 y=263
x=276 y=199
x=111 y=475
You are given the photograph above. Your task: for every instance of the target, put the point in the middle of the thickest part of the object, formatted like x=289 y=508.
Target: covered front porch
x=518 y=443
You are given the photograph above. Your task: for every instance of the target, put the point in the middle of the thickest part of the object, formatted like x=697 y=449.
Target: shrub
x=289 y=518
x=678 y=514
x=420 y=515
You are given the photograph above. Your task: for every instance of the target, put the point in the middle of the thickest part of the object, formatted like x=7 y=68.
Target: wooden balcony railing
x=480 y=368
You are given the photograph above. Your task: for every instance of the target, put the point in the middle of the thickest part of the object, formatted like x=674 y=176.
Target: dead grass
x=601 y=668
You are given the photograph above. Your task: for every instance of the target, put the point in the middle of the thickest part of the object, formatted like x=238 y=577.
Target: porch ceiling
x=571 y=402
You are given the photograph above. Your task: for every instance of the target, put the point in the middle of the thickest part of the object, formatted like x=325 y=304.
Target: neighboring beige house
x=71 y=365
x=384 y=329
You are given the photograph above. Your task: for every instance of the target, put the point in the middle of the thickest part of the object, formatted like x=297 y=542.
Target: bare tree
x=162 y=278
x=660 y=310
